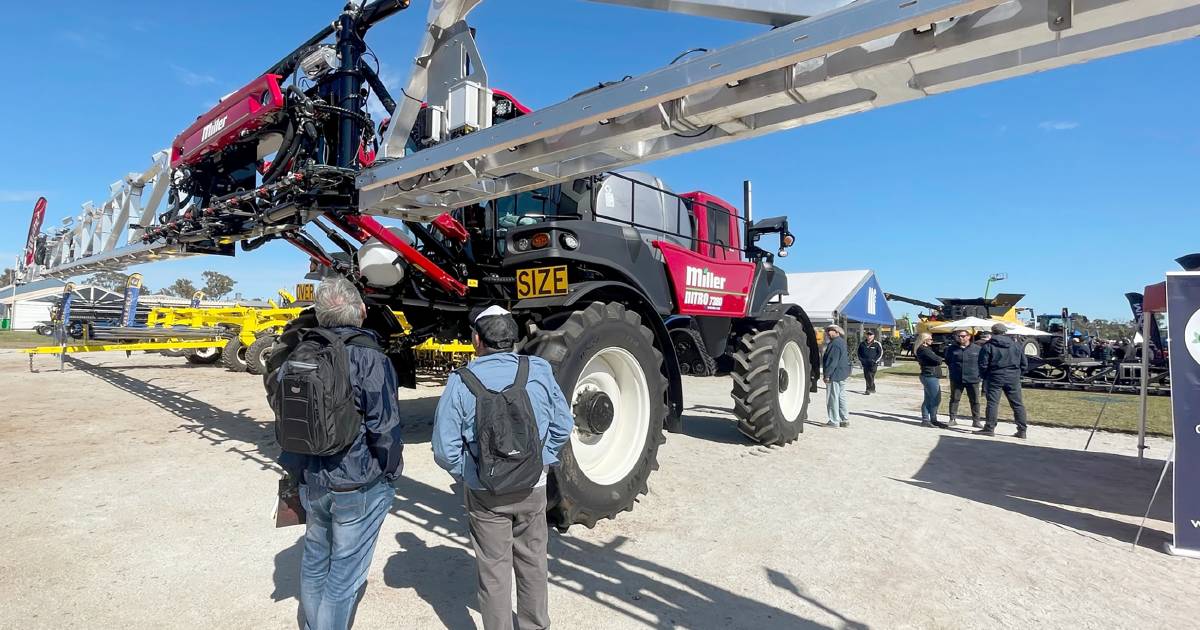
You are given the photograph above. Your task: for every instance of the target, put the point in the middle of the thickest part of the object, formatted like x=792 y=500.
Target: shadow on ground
x=610 y=574
x=250 y=437
x=442 y=576
x=712 y=424
x=221 y=426
x=1050 y=484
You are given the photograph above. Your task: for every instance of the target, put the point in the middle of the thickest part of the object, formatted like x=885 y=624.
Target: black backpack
x=311 y=395
x=510 y=445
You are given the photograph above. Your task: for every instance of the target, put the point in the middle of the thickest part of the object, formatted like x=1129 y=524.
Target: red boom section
x=239 y=114
x=373 y=228
x=707 y=286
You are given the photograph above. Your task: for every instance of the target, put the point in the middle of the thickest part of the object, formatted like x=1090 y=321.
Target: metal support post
x=1147 y=318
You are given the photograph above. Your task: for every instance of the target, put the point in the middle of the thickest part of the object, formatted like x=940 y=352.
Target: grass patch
x=23 y=339
x=902 y=368
x=1079 y=409
x=1059 y=408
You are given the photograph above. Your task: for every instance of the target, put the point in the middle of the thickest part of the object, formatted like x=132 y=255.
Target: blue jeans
x=933 y=397
x=835 y=402
x=338 y=544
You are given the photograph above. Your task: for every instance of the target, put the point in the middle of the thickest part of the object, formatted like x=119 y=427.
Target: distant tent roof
x=827 y=295
x=97 y=295
x=33 y=290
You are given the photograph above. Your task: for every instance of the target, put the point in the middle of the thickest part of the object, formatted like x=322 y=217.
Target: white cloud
x=190 y=78
x=1058 y=125
x=18 y=196
x=92 y=41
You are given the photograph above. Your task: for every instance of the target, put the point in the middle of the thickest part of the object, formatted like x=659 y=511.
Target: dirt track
x=140 y=494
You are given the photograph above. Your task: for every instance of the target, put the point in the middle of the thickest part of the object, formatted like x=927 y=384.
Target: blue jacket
x=835 y=364
x=377 y=449
x=454 y=445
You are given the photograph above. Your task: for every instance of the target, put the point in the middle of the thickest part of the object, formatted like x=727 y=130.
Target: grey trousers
x=509 y=534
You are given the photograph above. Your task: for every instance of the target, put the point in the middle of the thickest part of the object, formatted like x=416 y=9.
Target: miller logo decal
x=699 y=286
x=212 y=128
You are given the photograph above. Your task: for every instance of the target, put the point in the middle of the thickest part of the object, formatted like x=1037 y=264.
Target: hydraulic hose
x=287 y=146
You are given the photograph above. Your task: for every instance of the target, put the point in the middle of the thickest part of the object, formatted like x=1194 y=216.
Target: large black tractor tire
x=233 y=356
x=693 y=355
x=597 y=480
x=257 y=354
x=771 y=382
x=204 y=356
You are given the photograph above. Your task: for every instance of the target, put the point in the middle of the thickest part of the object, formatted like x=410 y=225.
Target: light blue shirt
x=454 y=445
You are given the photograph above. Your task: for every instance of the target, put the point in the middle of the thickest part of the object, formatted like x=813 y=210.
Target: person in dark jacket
x=931 y=373
x=835 y=365
x=346 y=496
x=1001 y=364
x=962 y=361
x=870 y=353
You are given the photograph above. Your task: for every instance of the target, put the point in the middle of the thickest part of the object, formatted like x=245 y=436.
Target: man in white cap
x=499 y=425
x=835 y=369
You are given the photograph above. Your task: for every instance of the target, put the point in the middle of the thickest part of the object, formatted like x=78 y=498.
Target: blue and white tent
x=840 y=297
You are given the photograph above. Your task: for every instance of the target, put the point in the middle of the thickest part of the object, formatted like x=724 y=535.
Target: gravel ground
x=140 y=494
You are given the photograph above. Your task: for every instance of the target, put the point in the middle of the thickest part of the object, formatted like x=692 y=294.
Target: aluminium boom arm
x=824 y=59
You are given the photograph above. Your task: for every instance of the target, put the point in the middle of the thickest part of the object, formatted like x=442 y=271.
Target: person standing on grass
x=835 y=365
x=870 y=353
x=931 y=374
x=499 y=426
x=1001 y=363
x=346 y=491
x=962 y=361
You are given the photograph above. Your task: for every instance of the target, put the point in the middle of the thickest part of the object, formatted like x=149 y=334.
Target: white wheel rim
x=609 y=458
x=791 y=363
x=1031 y=349
x=205 y=353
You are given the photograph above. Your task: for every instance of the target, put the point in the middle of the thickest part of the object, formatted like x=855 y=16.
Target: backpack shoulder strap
x=522 y=377
x=472 y=382
x=326 y=334
x=362 y=340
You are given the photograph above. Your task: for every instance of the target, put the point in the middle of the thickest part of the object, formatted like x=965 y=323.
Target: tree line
x=215 y=285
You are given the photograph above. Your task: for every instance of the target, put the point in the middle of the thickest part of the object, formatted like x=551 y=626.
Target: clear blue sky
x=1079 y=183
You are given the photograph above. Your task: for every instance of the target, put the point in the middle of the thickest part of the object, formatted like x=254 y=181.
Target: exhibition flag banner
x=133 y=288
x=1183 y=313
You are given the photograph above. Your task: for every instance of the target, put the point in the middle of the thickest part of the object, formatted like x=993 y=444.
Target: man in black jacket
x=870 y=353
x=962 y=361
x=1001 y=364
x=346 y=495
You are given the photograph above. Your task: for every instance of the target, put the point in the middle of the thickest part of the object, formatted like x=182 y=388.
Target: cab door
x=717 y=227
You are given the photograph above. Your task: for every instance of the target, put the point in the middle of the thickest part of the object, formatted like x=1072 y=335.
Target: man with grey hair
x=1001 y=364
x=835 y=365
x=345 y=490
x=506 y=512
